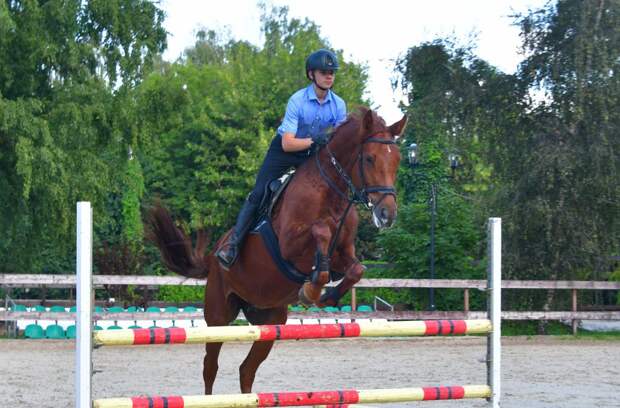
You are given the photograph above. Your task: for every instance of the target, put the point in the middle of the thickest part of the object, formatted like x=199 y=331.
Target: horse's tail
x=175 y=245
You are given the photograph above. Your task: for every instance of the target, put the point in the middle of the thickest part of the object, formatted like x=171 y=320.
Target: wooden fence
x=68 y=281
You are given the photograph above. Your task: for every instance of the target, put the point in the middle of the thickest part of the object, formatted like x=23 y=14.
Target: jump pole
x=295 y=399
x=217 y=334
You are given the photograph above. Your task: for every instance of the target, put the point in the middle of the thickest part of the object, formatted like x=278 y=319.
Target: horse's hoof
x=327 y=299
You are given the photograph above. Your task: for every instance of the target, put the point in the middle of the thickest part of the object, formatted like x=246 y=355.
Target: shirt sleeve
x=341 y=114
x=290 y=122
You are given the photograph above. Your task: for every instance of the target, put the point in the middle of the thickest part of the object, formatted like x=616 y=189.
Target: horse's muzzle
x=384 y=215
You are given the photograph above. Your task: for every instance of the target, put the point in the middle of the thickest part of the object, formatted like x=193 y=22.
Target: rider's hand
x=320 y=139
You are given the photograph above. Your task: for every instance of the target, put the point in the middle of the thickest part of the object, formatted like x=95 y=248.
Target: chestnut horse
x=358 y=165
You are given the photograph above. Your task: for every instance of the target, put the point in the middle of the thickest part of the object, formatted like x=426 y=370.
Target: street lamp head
x=412 y=154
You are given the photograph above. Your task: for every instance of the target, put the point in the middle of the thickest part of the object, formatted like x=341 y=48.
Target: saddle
x=263 y=227
x=273 y=191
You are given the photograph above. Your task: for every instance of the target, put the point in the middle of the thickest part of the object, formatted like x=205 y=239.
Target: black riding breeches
x=275 y=164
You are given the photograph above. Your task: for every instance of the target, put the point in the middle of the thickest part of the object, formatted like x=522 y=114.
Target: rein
x=355 y=195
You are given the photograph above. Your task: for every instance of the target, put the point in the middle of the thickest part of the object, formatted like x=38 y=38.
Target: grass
x=530 y=328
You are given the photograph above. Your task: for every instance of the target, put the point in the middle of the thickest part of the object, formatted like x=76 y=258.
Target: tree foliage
x=65 y=70
x=208 y=119
x=561 y=179
x=90 y=111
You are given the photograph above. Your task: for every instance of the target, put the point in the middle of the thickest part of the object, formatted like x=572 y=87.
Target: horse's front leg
x=354 y=271
x=310 y=292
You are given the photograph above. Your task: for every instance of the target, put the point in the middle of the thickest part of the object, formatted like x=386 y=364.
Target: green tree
x=66 y=68
x=454 y=102
x=559 y=178
x=208 y=119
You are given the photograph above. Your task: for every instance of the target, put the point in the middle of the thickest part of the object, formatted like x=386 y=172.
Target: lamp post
x=433 y=209
x=413 y=156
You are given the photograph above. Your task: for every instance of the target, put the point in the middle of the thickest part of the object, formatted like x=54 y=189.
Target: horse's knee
x=355 y=272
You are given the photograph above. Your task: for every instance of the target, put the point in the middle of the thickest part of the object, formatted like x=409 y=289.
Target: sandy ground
x=537 y=372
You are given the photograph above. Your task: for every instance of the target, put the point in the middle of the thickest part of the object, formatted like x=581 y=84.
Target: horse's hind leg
x=260 y=349
x=219 y=311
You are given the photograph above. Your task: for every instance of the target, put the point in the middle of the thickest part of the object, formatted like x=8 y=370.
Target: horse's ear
x=397 y=128
x=367 y=121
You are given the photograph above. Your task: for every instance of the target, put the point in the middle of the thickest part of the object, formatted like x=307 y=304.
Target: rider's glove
x=320 y=139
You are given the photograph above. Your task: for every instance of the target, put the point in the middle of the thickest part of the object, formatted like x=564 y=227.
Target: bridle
x=353 y=194
x=356 y=195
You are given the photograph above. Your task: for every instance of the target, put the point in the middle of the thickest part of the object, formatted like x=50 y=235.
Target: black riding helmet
x=322 y=59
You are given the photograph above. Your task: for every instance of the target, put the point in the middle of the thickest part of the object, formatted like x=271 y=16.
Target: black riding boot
x=229 y=250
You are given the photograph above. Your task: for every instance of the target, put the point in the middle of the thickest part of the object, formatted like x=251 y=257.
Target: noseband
x=356 y=195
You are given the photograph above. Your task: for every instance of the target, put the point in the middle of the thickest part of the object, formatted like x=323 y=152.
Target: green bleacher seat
x=190 y=309
x=116 y=309
x=73 y=309
x=134 y=326
x=71 y=332
x=364 y=308
x=133 y=309
x=314 y=309
x=54 y=331
x=345 y=308
x=39 y=308
x=34 y=331
x=18 y=308
x=153 y=309
x=97 y=327
x=297 y=309
x=98 y=309
x=115 y=327
x=331 y=309
x=57 y=309
x=171 y=309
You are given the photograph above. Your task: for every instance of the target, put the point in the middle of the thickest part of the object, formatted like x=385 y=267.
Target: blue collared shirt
x=305 y=116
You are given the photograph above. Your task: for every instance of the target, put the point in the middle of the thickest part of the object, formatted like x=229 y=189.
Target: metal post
x=494 y=305
x=433 y=204
x=83 y=371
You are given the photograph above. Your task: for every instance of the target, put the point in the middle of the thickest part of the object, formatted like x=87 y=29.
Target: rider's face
x=324 y=78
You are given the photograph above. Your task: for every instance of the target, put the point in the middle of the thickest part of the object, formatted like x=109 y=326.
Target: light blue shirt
x=305 y=116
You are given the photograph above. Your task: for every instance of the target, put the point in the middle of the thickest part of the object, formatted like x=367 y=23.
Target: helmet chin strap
x=317 y=84
x=320 y=87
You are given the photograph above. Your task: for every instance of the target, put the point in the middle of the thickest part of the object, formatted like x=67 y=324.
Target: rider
x=310 y=112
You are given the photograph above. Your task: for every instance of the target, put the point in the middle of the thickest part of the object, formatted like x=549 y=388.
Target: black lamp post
x=412 y=154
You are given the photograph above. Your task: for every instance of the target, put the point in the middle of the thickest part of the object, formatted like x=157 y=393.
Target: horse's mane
x=352 y=123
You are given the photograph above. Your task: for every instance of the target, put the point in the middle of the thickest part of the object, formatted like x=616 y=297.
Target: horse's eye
x=370 y=159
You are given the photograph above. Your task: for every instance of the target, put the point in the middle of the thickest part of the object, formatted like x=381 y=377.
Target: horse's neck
x=346 y=152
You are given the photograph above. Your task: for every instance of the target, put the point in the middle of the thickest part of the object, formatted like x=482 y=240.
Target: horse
x=316 y=223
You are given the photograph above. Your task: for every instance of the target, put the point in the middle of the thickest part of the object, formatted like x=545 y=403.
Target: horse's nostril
x=384 y=213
